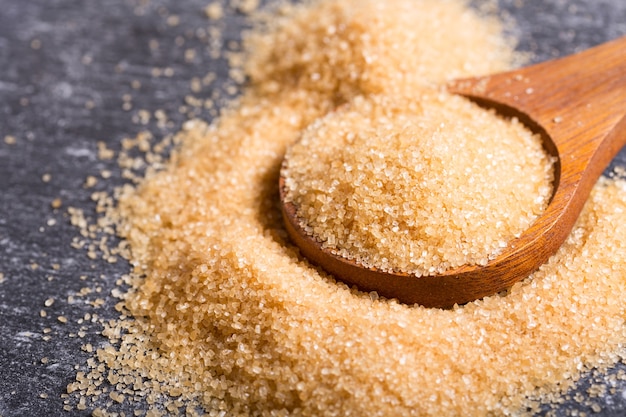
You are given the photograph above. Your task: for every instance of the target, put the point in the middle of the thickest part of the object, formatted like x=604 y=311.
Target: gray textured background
x=65 y=66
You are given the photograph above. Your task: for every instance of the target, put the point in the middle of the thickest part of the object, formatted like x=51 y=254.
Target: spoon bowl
x=577 y=104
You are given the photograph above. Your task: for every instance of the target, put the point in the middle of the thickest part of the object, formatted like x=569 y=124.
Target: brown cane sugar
x=417 y=185
x=224 y=318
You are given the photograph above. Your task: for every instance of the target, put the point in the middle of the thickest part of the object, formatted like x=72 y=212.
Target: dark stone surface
x=65 y=66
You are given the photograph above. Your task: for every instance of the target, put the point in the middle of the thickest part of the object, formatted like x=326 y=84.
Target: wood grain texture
x=577 y=104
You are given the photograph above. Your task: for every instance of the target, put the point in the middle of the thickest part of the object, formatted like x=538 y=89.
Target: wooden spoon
x=577 y=104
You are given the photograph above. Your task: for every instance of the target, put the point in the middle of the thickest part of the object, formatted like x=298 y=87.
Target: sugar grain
x=223 y=317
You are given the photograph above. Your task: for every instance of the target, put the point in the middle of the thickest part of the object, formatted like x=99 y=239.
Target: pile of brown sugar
x=418 y=185
x=225 y=318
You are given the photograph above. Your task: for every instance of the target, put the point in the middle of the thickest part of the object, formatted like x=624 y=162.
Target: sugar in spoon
x=578 y=106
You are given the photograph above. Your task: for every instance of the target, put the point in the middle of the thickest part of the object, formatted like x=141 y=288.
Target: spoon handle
x=577 y=100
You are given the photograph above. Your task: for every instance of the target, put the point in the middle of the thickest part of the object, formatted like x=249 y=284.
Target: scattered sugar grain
x=56 y=203
x=104 y=153
x=214 y=11
x=190 y=55
x=173 y=20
